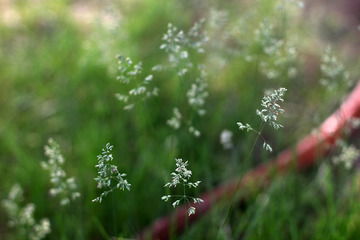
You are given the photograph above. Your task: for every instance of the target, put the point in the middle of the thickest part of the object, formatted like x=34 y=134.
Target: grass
x=58 y=79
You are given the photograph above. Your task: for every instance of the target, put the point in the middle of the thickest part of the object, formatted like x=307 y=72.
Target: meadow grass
x=59 y=80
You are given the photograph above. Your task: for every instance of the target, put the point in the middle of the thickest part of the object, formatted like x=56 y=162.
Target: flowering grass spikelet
x=181 y=47
x=348 y=155
x=272 y=109
x=64 y=187
x=194 y=131
x=135 y=89
x=334 y=74
x=175 y=120
x=177 y=43
x=181 y=176
x=22 y=218
x=246 y=126
x=279 y=54
x=198 y=93
x=226 y=139
x=109 y=176
x=269 y=114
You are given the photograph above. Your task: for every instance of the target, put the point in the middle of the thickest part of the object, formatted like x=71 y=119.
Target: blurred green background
x=58 y=79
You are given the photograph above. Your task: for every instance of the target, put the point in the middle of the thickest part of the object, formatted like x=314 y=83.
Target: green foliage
x=59 y=79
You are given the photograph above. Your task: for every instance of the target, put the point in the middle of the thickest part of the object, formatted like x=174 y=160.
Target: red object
x=305 y=154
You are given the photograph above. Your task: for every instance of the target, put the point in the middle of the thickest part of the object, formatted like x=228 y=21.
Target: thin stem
x=186 y=216
x=259 y=133
x=239 y=182
x=146 y=115
x=182 y=196
x=114 y=215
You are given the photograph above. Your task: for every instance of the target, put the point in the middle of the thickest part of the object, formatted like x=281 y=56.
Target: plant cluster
x=269 y=114
x=347 y=156
x=181 y=176
x=198 y=83
x=180 y=47
x=109 y=176
x=64 y=187
x=22 y=218
x=129 y=78
x=334 y=74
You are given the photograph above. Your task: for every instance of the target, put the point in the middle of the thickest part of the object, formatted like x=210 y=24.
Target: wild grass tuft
x=109 y=177
x=181 y=176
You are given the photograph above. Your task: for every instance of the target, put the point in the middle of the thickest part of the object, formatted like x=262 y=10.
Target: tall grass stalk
x=114 y=210
x=243 y=170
